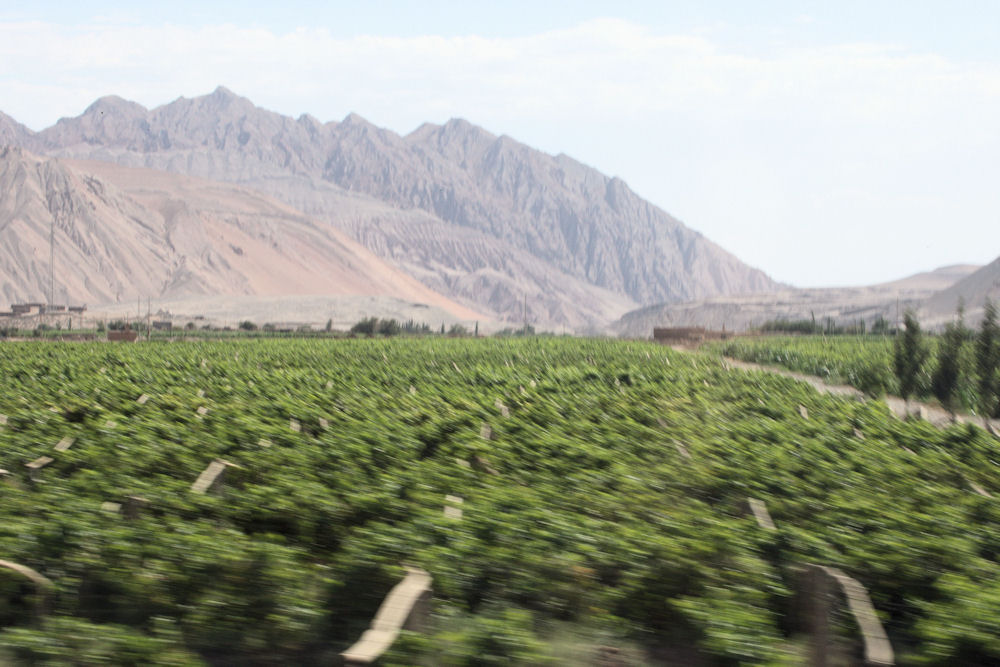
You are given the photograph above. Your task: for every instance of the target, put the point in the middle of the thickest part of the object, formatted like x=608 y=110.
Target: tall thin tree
x=909 y=356
x=988 y=361
x=948 y=371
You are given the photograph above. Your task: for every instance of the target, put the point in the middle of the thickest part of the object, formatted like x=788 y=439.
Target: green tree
x=366 y=326
x=388 y=327
x=948 y=371
x=909 y=356
x=880 y=326
x=988 y=361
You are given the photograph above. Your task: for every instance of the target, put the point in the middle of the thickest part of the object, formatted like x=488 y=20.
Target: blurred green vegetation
x=595 y=518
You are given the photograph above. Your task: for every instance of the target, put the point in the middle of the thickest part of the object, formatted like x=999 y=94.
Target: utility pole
x=52 y=261
x=52 y=266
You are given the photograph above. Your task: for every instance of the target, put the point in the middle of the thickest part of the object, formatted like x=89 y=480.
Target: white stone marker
x=406 y=607
x=211 y=477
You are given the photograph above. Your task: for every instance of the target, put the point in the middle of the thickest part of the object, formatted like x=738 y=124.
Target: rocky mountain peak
x=223 y=99
x=13 y=133
x=112 y=105
x=354 y=120
x=462 y=127
x=223 y=93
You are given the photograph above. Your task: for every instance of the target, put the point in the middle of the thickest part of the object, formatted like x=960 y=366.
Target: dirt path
x=932 y=413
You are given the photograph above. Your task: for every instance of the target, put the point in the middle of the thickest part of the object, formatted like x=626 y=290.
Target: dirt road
x=932 y=413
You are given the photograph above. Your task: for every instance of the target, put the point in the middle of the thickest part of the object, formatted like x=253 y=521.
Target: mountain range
x=492 y=224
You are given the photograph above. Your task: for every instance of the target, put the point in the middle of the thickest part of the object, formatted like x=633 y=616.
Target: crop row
x=603 y=488
x=864 y=362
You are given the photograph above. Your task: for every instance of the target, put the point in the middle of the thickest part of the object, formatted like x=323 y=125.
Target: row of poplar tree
x=911 y=353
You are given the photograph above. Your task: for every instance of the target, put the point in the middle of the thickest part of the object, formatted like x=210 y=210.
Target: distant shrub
x=372 y=325
x=526 y=330
x=247 y=325
x=388 y=327
x=366 y=326
x=411 y=327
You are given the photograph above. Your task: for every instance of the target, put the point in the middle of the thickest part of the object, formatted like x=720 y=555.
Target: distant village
x=28 y=309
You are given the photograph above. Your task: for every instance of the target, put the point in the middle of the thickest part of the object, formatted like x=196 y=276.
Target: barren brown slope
x=122 y=233
x=938 y=279
x=973 y=290
x=533 y=221
x=843 y=305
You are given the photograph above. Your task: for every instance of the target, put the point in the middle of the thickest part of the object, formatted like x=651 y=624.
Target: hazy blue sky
x=826 y=143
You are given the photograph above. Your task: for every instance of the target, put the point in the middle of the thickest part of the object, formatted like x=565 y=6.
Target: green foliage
x=948 y=372
x=373 y=325
x=594 y=516
x=988 y=361
x=247 y=325
x=881 y=326
x=873 y=379
x=526 y=330
x=864 y=362
x=494 y=636
x=388 y=327
x=909 y=355
x=412 y=327
x=810 y=326
x=366 y=326
x=69 y=641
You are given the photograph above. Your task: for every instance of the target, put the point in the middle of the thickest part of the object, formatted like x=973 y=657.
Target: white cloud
x=820 y=146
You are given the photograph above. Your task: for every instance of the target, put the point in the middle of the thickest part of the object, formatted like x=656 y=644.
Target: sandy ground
x=291 y=311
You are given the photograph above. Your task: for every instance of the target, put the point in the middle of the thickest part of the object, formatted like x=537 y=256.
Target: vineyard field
x=603 y=487
x=864 y=362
